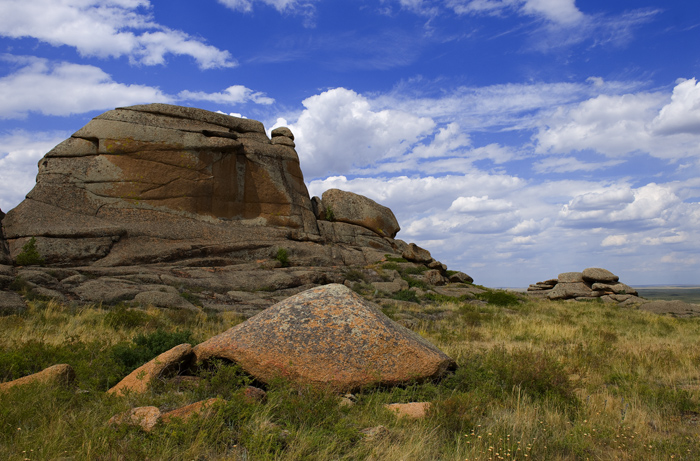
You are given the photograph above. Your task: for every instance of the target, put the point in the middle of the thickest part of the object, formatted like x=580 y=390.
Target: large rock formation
x=327 y=336
x=144 y=202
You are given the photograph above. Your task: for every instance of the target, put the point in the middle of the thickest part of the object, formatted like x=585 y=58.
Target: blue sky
x=514 y=139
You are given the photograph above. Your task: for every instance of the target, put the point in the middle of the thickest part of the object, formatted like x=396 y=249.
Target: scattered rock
x=327 y=336
x=374 y=433
x=144 y=417
x=202 y=409
x=11 y=303
x=460 y=277
x=140 y=379
x=356 y=209
x=417 y=254
x=413 y=410
x=62 y=374
x=254 y=394
x=593 y=282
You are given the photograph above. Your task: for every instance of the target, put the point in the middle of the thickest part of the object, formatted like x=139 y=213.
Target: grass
x=550 y=380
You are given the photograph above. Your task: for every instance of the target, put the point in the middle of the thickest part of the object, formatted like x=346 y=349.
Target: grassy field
x=537 y=380
x=688 y=294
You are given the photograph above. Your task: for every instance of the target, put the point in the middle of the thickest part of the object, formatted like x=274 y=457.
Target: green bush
x=329 y=214
x=145 y=347
x=406 y=295
x=282 y=257
x=29 y=255
x=499 y=298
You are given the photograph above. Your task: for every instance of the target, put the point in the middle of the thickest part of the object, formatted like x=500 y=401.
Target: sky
x=513 y=139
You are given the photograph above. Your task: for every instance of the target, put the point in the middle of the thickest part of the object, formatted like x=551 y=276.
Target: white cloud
x=480 y=205
x=236 y=94
x=19 y=153
x=617 y=125
x=682 y=114
x=105 y=28
x=340 y=130
x=614 y=241
x=556 y=11
x=63 y=88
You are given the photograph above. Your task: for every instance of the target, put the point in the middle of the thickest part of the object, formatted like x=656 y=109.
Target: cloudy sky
x=514 y=139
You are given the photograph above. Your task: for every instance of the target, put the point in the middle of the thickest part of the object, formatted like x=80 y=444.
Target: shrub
x=355 y=275
x=499 y=298
x=282 y=257
x=406 y=295
x=29 y=255
x=145 y=347
x=329 y=214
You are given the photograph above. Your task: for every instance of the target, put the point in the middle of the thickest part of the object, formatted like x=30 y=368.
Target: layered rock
x=4 y=249
x=593 y=282
x=160 y=182
x=327 y=336
x=54 y=375
x=139 y=380
x=347 y=207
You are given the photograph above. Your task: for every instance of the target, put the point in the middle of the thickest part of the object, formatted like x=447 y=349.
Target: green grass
x=553 y=380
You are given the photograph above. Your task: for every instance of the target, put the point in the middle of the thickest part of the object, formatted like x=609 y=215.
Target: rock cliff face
x=157 y=183
x=4 y=250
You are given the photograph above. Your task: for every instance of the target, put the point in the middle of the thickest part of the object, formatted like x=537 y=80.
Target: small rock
x=11 y=303
x=165 y=300
x=254 y=394
x=413 y=410
x=144 y=417
x=202 y=408
x=374 y=433
x=54 y=375
x=140 y=379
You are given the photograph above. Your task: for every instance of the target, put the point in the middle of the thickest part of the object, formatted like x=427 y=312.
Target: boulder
x=159 y=172
x=416 y=254
x=359 y=210
x=11 y=303
x=140 y=379
x=54 y=375
x=327 y=336
x=596 y=274
x=144 y=417
x=617 y=288
x=570 y=277
x=571 y=290
x=163 y=299
x=460 y=277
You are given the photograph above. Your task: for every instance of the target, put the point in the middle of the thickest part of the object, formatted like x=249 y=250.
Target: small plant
x=121 y=317
x=355 y=275
x=282 y=257
x=499 y=298
x=29 y=256
x=406 y=295
x=330 y=215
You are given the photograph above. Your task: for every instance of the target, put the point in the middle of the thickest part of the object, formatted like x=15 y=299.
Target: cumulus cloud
x=62 y=88
x=340 y=130
x=682 y=114
x=480 y=205
x=617 y=125
x=19 y=153
x=105 y=28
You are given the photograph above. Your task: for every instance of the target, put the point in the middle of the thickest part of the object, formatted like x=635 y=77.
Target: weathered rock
x=434 y=277
x=144 y=417
x=254 y=394
x=327 y=336
x=282 y=131
x=54 y=375
x=202 y=409
x=359 y=210
x=4 y=249
x=617 y=288
x=11 y=303
x=460 y=277
x=570 y=277
x=391 y=287
x=413 y=410
x=416 y=254
x=140 y=379
x=596 y=274
x=374 y=433
x=183 y=172
x=571 y=290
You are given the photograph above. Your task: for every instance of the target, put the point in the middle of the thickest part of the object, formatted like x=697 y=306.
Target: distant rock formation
x=155 y=202
x=591 y=283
